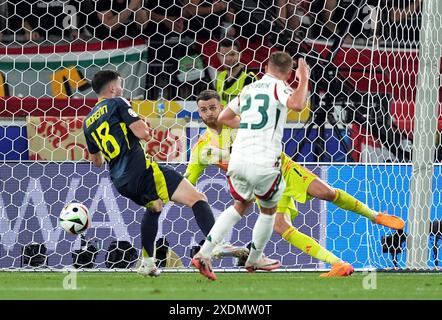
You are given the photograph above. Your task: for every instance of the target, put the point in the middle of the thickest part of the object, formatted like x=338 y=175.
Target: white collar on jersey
x=271 y=76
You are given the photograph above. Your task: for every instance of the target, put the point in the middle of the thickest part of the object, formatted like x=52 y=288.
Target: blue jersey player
x=113 y=131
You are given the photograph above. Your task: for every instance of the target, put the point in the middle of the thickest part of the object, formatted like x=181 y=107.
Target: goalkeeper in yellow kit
x=213 y=148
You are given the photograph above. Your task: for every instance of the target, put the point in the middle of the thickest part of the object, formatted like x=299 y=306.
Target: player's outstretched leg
x=225 y=222
x=204 y=217
x=342 y=199
x=188 y=195
x=310 y=246
x=149 y=229
x=262 y=231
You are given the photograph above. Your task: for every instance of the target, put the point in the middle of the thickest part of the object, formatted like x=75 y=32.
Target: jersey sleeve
x=234 y=104
x=282 y=92
x=126 y=112
x=195 y=167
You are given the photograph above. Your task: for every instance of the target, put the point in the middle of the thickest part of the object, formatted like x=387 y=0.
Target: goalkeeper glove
x=214 y=155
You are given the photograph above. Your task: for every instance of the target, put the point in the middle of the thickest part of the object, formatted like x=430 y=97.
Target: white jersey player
x=262 y=108
x=254 y=163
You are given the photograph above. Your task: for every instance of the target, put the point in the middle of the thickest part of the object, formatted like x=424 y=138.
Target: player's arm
x=297 y=100
x=95 y=154
x=97 y=159
x=229 y=116
x=196 y=167
x=141 y=130
x=138 y=126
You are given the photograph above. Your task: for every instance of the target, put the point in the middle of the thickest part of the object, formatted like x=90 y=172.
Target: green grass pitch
x=280 y=286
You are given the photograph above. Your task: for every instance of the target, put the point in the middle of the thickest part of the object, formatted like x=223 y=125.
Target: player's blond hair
x=281 y=61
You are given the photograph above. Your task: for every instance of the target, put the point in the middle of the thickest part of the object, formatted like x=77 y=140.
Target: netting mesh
x=356 y=132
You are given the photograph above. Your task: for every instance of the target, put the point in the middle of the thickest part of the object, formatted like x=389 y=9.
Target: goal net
x=369 y=60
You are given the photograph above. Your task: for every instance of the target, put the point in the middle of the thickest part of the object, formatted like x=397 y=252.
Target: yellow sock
x=309 y=246
x=144 y=253
x=345 y=201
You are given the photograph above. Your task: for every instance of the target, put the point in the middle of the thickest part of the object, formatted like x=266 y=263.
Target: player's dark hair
x=229 y=43
x=281 y=61
x=102 y=79
x=207 y=95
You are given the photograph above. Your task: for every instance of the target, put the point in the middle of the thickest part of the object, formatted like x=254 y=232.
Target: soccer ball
x=75 y=218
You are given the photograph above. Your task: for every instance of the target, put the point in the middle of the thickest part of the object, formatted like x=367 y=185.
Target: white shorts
x=247 y=181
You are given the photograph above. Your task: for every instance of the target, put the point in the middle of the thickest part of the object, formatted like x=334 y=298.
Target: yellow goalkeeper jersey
x=212 y=148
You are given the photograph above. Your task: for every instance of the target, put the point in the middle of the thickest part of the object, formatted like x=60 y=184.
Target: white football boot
x=264 y=263
x=225 y=249
x=147 y=267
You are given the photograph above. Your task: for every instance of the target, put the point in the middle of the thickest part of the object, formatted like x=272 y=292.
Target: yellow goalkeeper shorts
x=297 y=179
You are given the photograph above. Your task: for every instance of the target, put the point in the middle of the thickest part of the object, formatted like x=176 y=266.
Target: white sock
x=150 y=261
x=374 y=215
x=222 y=226
x=262 y=232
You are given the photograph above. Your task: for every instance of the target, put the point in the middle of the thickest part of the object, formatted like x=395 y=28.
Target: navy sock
x=203 y=216
x=149 y=229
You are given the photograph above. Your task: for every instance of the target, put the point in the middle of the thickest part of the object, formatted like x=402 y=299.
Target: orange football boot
x=204 y=266
x=390 y=221
x=340 y=269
